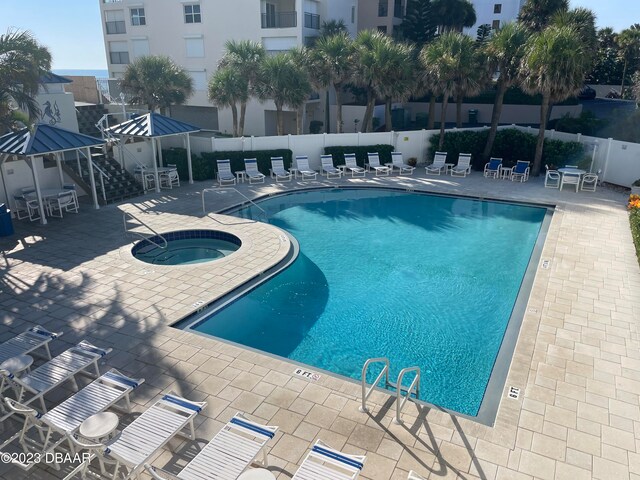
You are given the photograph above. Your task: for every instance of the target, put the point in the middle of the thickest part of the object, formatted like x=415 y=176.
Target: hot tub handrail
x=148 y=238
x=204 y=210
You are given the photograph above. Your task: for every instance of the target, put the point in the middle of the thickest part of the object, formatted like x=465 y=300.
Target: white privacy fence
x=619 y=162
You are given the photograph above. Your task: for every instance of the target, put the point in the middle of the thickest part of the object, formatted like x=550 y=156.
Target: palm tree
x=367 y=47
x=535 y=15
x=471 y=75
x=629 y=49
x=227 y=88
x=333 y=27
x=301 y=57
x=22 y=63
x=554 y=65
x=504 y=52
x=635 y=80
x=245 y=56
x=453 y=15
x=157 y=82
x=283 y=81
x=417 y=25
x=332 y=59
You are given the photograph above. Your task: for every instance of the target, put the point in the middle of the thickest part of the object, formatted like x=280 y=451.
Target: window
x=495 y=25
x=195 y=47
x=353 y=14
x=397 y=9
x=137 y=17
x=383 y=8
x=118 y=53
x=382 y=28
x=139 y=47
x=497 y=8
x=192 y=13
x=114 y=21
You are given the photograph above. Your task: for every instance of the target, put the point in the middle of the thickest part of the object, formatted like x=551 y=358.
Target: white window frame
x=196 y=17
x=140 y=19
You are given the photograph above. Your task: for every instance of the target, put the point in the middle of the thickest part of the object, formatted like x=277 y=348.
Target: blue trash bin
x=6 y=226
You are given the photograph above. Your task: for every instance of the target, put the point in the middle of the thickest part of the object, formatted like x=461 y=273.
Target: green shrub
x=634 y=220
x=510 y=144
x=384 y=151
x=587 y=124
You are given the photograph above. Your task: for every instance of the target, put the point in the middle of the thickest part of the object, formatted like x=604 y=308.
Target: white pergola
x=153 y=127
x=44 y=140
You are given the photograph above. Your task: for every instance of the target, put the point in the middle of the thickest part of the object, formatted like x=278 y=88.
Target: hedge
x=510 y=145
x=384 y=151
x=205 y=166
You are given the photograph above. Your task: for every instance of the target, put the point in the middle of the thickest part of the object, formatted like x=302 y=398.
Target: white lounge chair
x=374 y=164
x=65 y=419
x=278 y=171
x=35 y=385
x=225 y=175
x=463 y=168
x=323 y=462
x=27 y=342
x=520 y=171
x=492 y=168
x=552 y=178
x=326 y=162
x=144 y=437
x=439 y=163
x=252 y=172
x=351 y=165
x=302 y=168
x=228 y=454
x=589 y=182
x=398 y=162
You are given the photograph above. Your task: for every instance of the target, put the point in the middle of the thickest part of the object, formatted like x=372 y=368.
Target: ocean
x=81 y=73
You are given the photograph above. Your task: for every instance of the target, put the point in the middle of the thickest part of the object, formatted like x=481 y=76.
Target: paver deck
x=577 y=360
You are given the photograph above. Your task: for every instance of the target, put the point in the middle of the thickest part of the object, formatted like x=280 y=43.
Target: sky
x=73 y=32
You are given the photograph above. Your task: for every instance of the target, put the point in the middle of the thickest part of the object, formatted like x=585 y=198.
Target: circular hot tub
x=186 y=247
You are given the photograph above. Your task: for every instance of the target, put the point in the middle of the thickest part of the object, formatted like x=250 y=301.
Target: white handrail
x=144 y=237
x=385 y=372
x=204 y=210
x=415 y=385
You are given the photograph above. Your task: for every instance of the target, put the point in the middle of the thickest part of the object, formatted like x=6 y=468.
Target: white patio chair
x=463 y=168
x=251 y=169
x=26 y=208
x=302 y=167
x=323 y=462
x=228 y=454
x=27 y=342
x=398 y=162
x=278 y=171
x=65 y=419
x=373 y=164
x=36 y=384
x=64 y=201
x=330 y=171
x=570 y=179
x=144 y=437
x=146 y=177
x=224 y=172
x=551 y=178
x=170 y=178
x=438 y=165
x=589 y=182
x=492 y=168
x=520 y=171
x=351 y=165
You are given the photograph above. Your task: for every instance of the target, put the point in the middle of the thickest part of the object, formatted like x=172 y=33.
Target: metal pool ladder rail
x=413 y=389
x=221 y=189
x=163 y=244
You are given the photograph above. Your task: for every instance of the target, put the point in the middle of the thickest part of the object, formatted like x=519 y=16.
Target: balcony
x=311 y=20
x=279 y=20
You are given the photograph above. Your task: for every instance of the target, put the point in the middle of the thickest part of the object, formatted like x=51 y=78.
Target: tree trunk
x=243 y=111
x=495 y=120
x=432 y=111
x=537 y=160
x=327 y=113
x=299 y=119
x=163 y=110
x=367 y=121
x=443 y=117
x=624 y=73
x=234 y=115
x=459 y=98
x=280 y=119
x=387 y=114
x=339 y=126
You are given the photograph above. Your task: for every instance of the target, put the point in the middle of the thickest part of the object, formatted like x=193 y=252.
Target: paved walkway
x=577 y=360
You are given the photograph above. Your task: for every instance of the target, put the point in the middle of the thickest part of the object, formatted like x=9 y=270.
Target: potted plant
x=413 y=161
x=635 y=187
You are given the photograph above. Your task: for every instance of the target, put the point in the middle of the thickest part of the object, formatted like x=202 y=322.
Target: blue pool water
x=423 y=280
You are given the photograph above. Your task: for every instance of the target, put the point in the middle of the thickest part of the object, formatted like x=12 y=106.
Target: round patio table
x=257 y=474
x=574 y=171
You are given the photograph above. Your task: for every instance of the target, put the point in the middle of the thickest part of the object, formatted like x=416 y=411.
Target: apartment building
x=495 y=13
x=193 y=33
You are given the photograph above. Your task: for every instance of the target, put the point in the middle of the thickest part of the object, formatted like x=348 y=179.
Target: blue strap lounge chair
x=438 y=165
x=27 y=342
x=251 y=169
x=398 y=162
x=492 y=169
x=520 y=171
x=224 y=173
x=323 y=462
x=326 y=162
x=351 y=165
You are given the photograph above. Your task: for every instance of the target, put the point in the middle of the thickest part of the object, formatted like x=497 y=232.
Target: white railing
x=414 y=389
x=385 y=372
x=247 y=199
x=102 y=173
x=148 y=238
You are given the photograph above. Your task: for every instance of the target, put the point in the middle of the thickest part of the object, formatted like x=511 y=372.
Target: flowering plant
x=634 y=202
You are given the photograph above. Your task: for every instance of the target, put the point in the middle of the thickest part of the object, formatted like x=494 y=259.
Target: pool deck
x=577 y=361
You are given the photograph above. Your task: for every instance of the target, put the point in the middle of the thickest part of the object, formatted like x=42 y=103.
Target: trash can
x=6 y=227
x=473 y=116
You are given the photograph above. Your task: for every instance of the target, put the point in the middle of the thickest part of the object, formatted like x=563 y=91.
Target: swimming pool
x=421 y=279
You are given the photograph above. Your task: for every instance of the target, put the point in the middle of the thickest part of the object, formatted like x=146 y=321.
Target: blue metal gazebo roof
x=44 y=139
x=152 y=125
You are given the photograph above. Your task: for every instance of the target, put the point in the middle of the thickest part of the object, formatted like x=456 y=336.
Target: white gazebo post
x=36 y=183
x=189 y=159
x=155 y=164
x=92 y=180
x=59 y=162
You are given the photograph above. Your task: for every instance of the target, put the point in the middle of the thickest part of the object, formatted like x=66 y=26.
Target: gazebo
x=43 y=140
x=154 y=127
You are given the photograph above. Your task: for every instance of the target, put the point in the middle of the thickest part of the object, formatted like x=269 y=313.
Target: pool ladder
x=126 y=217
x=401 y=400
